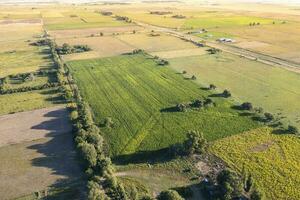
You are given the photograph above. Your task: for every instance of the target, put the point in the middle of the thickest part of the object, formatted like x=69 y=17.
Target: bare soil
x=42 y=155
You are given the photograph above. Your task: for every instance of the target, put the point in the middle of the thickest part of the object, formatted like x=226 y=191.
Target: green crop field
x=272 y=159
x=25 y=101
x=133 y=90
x=263 y=85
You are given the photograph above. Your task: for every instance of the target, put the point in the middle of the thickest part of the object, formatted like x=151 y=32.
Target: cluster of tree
x=160 y=61
x=254 y=24
x=213 y=50
x=123 y=18
x=267 y=117
x=102 y=183
x=179 y=16
x=194 y=144
x=41 y=42
x=135 y=51
x=68 y=49
x=226 y=94
x=183 y=107
x=160 y=12
x=229 y=186
x=4 y=90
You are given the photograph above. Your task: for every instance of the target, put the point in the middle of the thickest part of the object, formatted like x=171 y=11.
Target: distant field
x=133 y=90
x=25 y=101
x=275 y=89
x=157 y=43
x=81 y=20
x=75 y=33
x=272 y=160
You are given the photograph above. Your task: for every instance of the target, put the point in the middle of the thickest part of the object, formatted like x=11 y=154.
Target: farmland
x=248 y=81
x=267 y=157
x=127 y=100
x=145 y=101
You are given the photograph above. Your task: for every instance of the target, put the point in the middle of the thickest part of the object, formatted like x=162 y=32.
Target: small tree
x=181 y=107
x=184 y=72
x=246 y=106
x=193 y=77
x=212 y=87
x=226 y=93
x=169 y=195
x=293 y=129
x=269 y=117
x=256 y=195
x=249 y=183
x=195 y=143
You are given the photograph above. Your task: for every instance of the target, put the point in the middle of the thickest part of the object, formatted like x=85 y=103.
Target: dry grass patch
x=101 y=47
x=157 y=43
x=32 y=166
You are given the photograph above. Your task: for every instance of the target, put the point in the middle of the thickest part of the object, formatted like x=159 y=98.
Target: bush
x=269 y=117
x=193 y=77
x=195 y=143
x=293 y=129
x=212 y=87
x=169 y=195
x=226 y=93
x=246 y=106
x=181 y=107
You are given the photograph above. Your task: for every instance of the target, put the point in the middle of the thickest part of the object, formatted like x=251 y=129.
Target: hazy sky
x=78 y=1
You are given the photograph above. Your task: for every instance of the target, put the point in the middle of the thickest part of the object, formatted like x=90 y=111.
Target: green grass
x=133 y=89
x=272 y=160
x=275 y=89
x=14 y=62
x=25 y=101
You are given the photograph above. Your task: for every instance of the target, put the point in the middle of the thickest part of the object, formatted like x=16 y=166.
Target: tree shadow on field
x=58 y=156
x=149 y=157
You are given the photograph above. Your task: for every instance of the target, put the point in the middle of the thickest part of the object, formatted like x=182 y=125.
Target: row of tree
x=68 y=49
x=102 y=184
x=267 y=117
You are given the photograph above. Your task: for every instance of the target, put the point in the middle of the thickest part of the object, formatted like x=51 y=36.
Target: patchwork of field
x=163 y=45
x=79 y=19
x=138 y=94
x=25 y=101
x=273 y=88
x=272 y=160
x=43 y=154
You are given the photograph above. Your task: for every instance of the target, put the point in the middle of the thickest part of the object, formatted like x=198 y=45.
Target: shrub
x=269 y=117
x=184 y=72
x=293 y=129
x=181 y=107
x=169 y=195
x=193 y=77
x=246 y=106
x=212 y=87
x=195 y=143
x=226 y=93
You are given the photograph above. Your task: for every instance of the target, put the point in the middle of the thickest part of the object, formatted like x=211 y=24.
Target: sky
x=79 y=1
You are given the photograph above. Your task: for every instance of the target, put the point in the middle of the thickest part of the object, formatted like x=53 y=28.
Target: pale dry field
x=96 y=31
x=42 y=154
x=180 y=53
x=101 y=47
